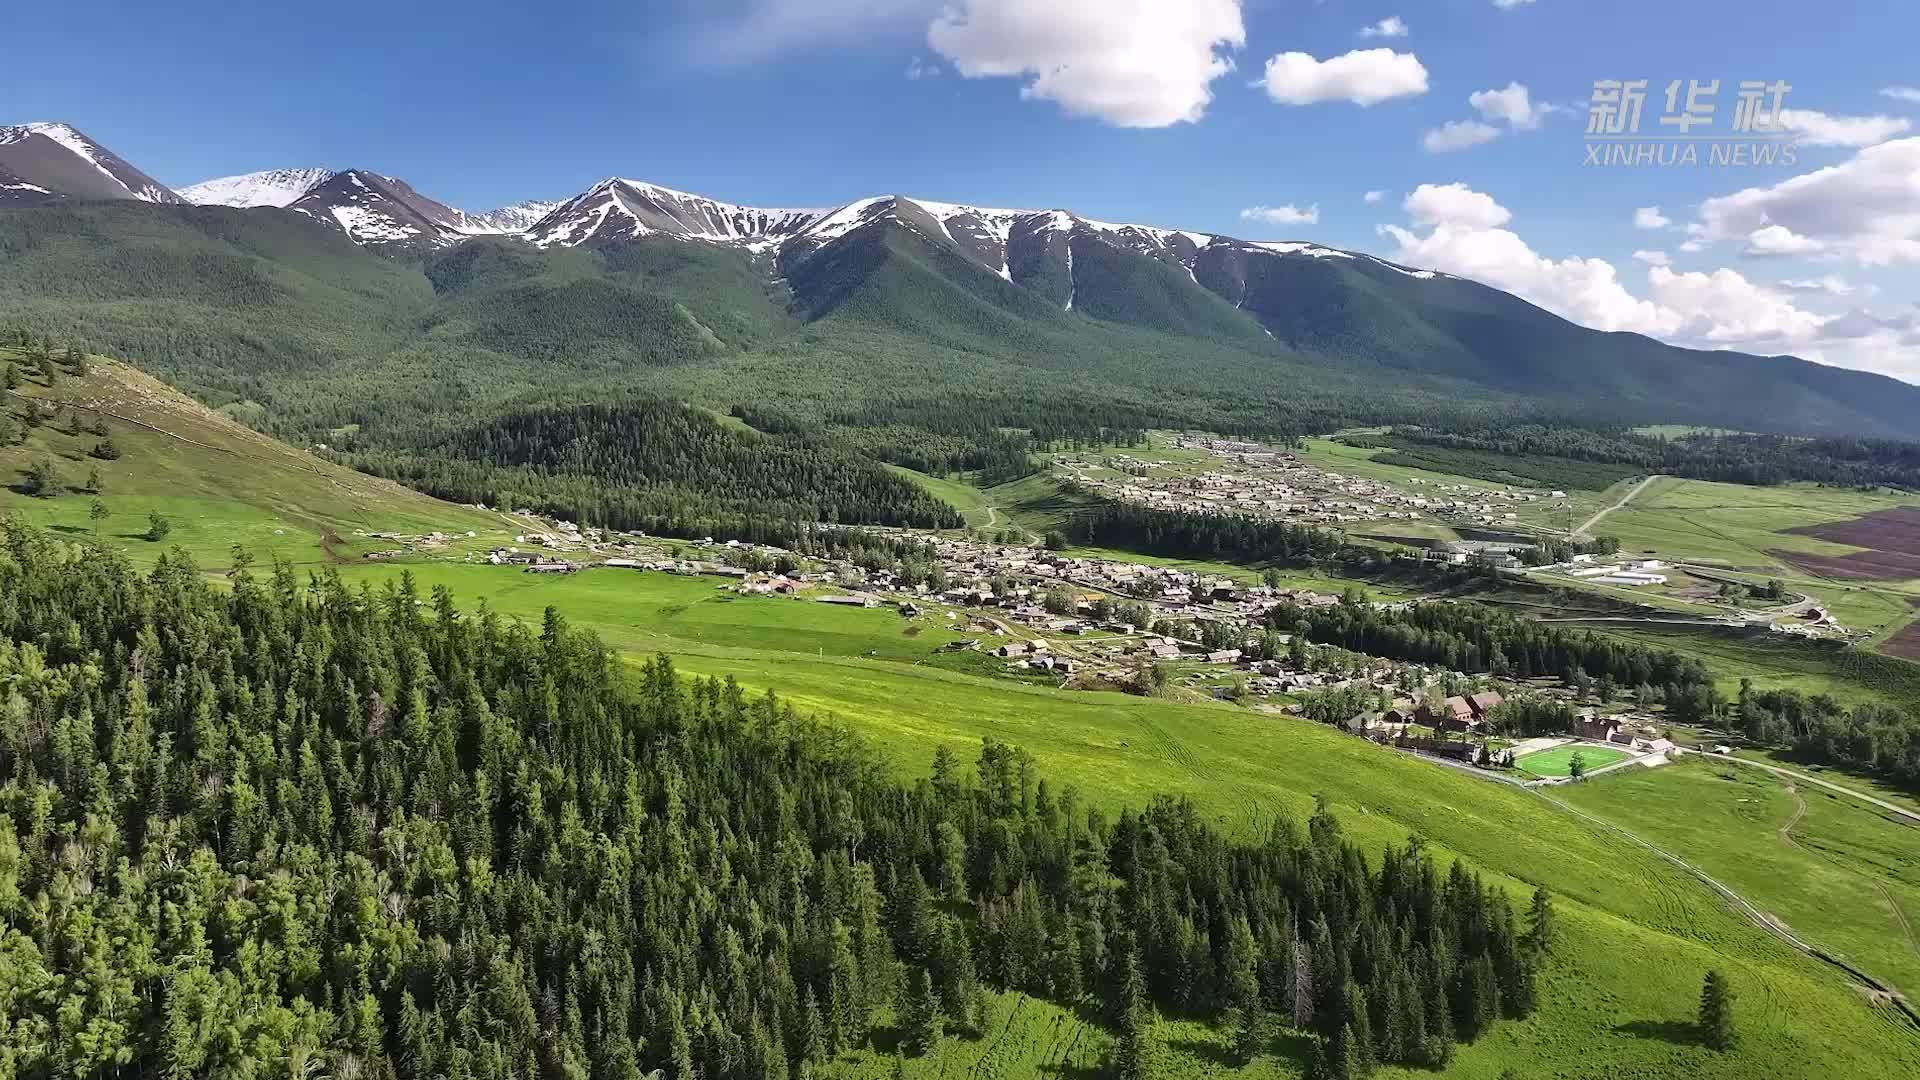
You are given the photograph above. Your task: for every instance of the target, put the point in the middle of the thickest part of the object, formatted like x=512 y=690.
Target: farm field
x=217 y=483
x=1779 y=662
x=1735 y=525
x=1558 y=761
x=1641 y=931
x=1836 y=871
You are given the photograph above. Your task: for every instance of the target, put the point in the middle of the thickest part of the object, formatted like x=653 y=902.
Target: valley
x=642 y=573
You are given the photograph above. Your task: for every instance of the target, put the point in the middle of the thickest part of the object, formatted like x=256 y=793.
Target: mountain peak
x=270 y=187
x=57 y=158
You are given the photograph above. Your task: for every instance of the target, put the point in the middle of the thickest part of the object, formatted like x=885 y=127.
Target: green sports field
x=1559 y=760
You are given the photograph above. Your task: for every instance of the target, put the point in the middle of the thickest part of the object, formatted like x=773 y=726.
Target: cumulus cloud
x=1866 y=208
x=1462 y=231
x=1511 y=108
x=1454 y=205
x=1363 y=76
x=1131 y=63
x=1652 y=258
x=1282 y=215
x=1458 y=135
x=1902 y=93
x=1820 y=129
x=1390 y=27
x=1780 y=240
x=1650 y=217
x=1373 y=196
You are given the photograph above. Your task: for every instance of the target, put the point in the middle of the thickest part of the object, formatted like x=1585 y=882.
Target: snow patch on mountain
x=270 y=187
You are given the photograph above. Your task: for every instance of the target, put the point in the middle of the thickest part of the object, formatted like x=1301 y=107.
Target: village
x=1256 y=480
x=1083 y=622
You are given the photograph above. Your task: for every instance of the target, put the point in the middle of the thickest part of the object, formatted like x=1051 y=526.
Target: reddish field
x=1906 y=643
x=1892 y=537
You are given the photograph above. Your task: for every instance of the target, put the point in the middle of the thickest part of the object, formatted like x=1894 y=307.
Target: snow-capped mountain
x=508 y=220
x=1015 y=244
x=380 y=211
x=274 y=187
x=56 y=159
x=617 y=209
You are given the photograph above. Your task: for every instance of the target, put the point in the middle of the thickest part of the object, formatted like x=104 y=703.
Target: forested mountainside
x=276 y=827
x=332 y=340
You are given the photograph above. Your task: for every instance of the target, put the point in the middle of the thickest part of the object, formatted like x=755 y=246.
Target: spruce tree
x=10 y=377
x=1132 y=1054
x=1716 y=1012
x=1540 y=928
x=926 y=1023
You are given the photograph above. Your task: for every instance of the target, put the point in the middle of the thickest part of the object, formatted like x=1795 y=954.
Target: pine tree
x=1132 y=1054
x=10 y=376
x=1540 y=929
x=1716 y=1012
x=926 y=1023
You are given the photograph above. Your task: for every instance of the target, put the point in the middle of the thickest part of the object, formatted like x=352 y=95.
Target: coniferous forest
x=282 y=827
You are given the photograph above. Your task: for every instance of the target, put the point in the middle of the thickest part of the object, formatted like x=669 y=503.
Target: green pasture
x=1838 y=872
x=1638 y=933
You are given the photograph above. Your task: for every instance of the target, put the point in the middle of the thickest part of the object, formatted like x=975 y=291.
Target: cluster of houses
x=1461 y=714
x=1261 y=481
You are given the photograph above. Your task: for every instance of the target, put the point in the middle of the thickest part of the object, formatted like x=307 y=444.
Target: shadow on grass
x=1677 y=1032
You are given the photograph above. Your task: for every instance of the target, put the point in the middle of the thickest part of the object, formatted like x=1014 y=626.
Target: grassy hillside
x=1836 y=870
x=217 y=483
x=1639 y=933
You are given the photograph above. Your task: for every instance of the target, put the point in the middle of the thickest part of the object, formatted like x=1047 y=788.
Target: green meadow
x=1638 y=932
x=217 y=483
x=1836 y=871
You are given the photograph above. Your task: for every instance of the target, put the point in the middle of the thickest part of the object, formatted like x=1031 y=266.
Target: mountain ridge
x=1018 y=286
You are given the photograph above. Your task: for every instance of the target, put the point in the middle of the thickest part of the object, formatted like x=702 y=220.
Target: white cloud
x=919 y=69
x=1461 y=231
x=1282 y=215
x=1454 y=205
x=1692 y=246
x=1650 y=217
x=1512 y=106
x=1131 y=63
x=1363 y=76
x=1902 y=93
x=1458 y=135
x=1831 y=284
x=1780 y=240
x=1652 y=258
x=1866 y=208
x=1820 y=129
x=1373 y=196
x=1504 y=5
x=1393 y=26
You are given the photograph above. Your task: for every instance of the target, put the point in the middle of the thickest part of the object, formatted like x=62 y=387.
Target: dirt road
x=1587 y=529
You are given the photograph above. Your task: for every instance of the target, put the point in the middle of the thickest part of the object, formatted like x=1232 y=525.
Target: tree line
x=1229 y=537
x=660 y=467
x=286 y=827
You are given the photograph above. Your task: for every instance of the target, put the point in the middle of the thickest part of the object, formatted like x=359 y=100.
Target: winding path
x=1587 y=528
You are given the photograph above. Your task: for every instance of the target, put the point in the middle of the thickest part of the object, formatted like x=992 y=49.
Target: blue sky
x=1149 y=110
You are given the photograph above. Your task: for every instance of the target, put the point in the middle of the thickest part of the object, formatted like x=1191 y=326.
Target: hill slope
x=156 y=451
